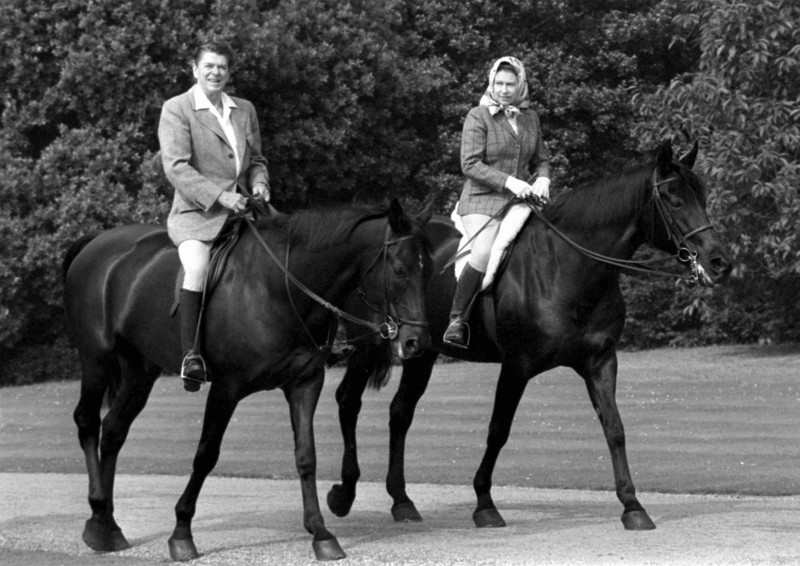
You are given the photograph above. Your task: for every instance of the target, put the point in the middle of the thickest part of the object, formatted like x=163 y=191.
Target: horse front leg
x=510 y=387
x=220 y=406
x=600 y=376
x=348 y=396
x=413 y=383
x=303 y=398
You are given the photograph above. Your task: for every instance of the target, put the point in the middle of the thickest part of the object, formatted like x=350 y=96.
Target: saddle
x=220 y=250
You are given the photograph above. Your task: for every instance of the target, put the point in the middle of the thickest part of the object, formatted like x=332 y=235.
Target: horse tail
x=74 y=250
x=381 y=367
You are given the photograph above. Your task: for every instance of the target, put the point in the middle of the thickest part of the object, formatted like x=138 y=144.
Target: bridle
x=393 y=320
x=686 y=253
x=387 y=330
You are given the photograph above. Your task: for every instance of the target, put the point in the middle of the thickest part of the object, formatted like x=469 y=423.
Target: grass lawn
x=706 y=420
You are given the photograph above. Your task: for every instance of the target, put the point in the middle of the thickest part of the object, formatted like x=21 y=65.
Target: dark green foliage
x=366 y=99
x=741 y=104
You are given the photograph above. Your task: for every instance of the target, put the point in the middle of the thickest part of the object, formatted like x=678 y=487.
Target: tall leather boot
x=193 y=367
x=469 y=284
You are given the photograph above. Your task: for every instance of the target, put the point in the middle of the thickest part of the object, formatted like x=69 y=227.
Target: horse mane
x=321 y=228
x=602 y=202
x=613 y=199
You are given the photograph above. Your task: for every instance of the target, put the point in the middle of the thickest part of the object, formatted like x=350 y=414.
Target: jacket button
x=230 y=155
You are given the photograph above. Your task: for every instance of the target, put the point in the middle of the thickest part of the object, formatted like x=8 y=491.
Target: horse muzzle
x=411 y=341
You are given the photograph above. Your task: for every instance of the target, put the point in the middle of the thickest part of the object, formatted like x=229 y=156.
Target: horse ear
x=664 y=158
x=398 y=220
x=424 y=216
x=690 y=156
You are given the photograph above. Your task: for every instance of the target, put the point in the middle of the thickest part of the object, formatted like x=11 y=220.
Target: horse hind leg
x=101 y=532
x=510 y=387
x=102 y=441
x=601 y=385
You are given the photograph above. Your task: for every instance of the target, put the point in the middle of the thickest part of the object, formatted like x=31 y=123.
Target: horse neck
x=606 y=218
x=333 y=272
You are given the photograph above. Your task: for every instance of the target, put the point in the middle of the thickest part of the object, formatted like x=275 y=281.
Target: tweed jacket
x=491 y=152
x=200 y=163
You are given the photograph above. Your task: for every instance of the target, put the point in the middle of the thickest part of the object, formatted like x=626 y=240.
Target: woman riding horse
x=501 y=143
x=557 y=302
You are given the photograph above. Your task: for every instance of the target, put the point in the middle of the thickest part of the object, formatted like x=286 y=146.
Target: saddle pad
x=510 y=226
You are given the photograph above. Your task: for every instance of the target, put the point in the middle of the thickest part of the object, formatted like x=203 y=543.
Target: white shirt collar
x=201 y=101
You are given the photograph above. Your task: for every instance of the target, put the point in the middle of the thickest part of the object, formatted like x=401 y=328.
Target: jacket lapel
x=208 y=120
x=239 y=121
x=506 y=124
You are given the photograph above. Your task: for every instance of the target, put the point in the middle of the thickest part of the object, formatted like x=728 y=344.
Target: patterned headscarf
x=521 y=101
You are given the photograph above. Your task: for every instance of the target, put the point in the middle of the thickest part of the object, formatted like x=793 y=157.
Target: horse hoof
x=182 y=549
x=328 y=549
x=103 y=538
x=488 y=518
x=406 y=513
x=637 y=521
x=340 y=500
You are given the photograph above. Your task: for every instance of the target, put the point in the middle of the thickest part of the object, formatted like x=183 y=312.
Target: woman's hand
x=232 y=201
x=518 y=187
x=541 y=187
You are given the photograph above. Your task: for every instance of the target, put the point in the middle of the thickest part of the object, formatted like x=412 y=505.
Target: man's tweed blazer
x=491 y=151
x=200 y=164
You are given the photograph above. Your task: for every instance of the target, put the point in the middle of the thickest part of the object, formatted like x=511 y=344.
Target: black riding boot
x=193 y=368
x=469 y=284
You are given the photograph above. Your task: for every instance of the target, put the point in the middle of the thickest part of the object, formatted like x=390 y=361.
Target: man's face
x=212 y=73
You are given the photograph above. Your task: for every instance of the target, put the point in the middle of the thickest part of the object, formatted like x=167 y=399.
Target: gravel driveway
x=255 y=521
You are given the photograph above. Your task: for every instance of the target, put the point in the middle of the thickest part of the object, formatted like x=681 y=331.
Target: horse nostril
x=412 y=344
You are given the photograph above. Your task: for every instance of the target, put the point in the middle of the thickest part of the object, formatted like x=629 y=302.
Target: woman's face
x=505 y=87
x=212 y=73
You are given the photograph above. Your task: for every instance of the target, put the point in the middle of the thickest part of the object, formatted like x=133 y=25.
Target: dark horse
x=551 y=306
x=267 y=334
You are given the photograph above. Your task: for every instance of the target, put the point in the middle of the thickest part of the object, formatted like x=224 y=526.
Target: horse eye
x=400 y=273
x=674 y=200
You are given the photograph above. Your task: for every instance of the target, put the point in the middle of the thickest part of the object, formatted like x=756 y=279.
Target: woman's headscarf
x=521 y=100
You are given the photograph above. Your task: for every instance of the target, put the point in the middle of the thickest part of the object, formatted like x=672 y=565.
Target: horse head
x=393 y=284
x=679 y=223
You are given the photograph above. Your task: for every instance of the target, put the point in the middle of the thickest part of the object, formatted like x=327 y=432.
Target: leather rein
x=686 y=253
x=387 y=330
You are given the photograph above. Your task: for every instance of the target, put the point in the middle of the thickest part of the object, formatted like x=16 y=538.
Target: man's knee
x=194 y=280
x=194 y=258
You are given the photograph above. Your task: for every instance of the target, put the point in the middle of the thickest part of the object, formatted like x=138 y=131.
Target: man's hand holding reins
x=232 y=201
x=261 y=190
